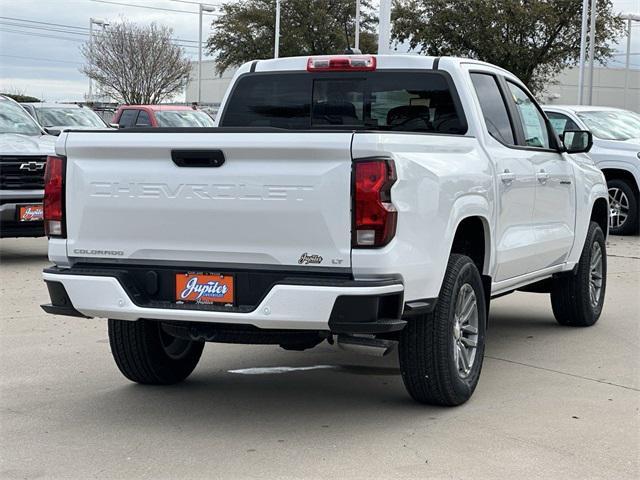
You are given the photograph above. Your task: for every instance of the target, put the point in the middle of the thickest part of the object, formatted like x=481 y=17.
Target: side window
x=128 y=118
x=493 y=107
x=533 y=124
x=561 y=122
x=143 y=119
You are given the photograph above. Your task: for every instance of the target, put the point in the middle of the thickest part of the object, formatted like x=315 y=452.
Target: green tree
x=534 y=39
x=245 y=30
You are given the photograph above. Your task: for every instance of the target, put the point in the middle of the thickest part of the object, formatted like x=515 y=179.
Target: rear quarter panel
x=441 y=180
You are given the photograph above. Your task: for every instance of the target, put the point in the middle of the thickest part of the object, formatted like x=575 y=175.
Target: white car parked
x=24 y=148
x=55 y=117
x=374 y=200
x=616 y=151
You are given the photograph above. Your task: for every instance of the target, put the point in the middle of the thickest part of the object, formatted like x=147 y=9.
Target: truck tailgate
x=278 y=198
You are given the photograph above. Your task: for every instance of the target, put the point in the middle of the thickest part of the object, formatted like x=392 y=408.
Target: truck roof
x=404 y=61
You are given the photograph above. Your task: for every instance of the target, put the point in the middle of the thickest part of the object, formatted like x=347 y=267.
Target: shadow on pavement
x=13 y=251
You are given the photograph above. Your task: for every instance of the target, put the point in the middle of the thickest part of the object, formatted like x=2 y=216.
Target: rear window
x=183 y=118
x=389 y=101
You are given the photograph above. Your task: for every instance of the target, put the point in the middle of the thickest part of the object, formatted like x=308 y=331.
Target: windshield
x=612 y=124
x=68 y=117
x=183 y=118
x=13 y=119
x=410 y=101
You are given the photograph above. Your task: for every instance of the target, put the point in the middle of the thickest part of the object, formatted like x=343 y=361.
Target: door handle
x=507 y=176
x=198 y=158
x=542 y=176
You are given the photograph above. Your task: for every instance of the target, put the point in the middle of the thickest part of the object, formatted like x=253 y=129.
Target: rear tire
x=431 y=359
x=623 y=208
x=577 y=299
x=146 y=354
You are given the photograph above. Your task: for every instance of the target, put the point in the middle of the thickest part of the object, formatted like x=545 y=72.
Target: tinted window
x=128 y=118
x=493 y=107
x=398 y=101
x=272 y=100
x=338 y=102
x=561 y=122
x=533 y=124
x=143 y=119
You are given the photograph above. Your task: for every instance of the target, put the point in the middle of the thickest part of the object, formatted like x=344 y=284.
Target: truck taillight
x=54 y=225
x=342 y=63
x=374 y=216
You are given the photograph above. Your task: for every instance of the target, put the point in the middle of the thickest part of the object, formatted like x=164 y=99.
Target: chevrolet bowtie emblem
x=32 y=166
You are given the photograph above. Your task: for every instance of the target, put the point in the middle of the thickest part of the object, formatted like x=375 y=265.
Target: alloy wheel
x=465 y=330
x=618 y=207
x=595 y=275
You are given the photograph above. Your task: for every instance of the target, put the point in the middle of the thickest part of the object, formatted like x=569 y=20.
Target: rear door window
x=494 y=109
x=143 y=119
x=128 y=118
x=391 y=101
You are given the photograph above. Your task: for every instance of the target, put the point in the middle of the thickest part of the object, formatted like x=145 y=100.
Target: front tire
x=146 y=354
x=577 y=298
x=623 y=208
x=441 y=353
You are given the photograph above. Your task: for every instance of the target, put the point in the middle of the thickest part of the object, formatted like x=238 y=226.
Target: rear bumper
x=346 y=307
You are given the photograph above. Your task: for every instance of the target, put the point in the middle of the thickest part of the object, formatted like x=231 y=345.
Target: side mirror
x=577 y=141
x=114 y=125
x=52 y=131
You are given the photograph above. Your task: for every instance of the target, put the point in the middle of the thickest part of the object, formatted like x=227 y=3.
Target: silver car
x=56 y=117
x=616 y=151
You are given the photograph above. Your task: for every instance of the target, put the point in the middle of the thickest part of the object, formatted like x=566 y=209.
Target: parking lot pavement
x=553 y=402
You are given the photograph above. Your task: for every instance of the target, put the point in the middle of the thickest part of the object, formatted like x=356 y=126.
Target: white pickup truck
x=371 y=200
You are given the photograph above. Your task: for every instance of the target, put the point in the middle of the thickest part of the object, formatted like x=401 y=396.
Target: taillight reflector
x=54 y=197
x=375 y=216
x=342 y=63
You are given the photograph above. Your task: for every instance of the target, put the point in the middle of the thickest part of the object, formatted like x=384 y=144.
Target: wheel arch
x=612 y=173
x=600 y=214
x=472 y=237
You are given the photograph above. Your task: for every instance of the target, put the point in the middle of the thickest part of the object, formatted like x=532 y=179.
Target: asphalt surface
x=553 y=402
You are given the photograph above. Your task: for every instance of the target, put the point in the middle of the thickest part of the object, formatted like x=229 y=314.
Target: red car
x=155 y=116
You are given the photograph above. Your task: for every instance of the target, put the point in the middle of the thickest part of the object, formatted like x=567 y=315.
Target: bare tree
x=136 y=64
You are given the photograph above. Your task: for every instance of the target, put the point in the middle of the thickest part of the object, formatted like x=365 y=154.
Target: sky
x=42 y=59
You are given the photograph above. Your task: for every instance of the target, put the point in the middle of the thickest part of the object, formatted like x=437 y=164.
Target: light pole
x=92 y=22
x=357 y=42
x=592 y=49
x=629 y=17
x=201 y=8
x=384 y=37
x=583 y=43
x=276 y=45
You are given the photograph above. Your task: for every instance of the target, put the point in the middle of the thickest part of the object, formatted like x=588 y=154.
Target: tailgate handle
x=198 y=158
